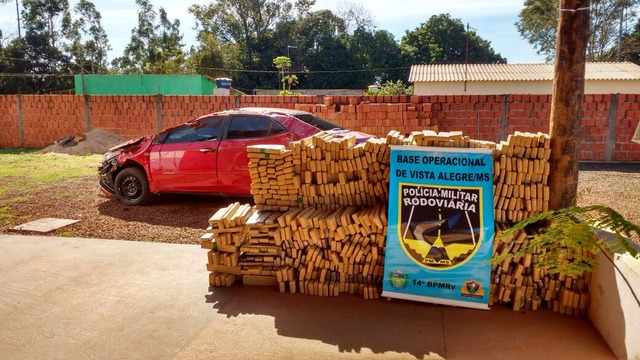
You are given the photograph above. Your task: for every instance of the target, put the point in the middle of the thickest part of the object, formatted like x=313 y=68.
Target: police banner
x=441 y=226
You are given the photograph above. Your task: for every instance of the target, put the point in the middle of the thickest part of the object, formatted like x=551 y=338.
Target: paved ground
x=76 y=298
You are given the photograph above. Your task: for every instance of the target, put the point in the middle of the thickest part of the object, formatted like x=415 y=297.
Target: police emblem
x=398 y=280
x=472 y=289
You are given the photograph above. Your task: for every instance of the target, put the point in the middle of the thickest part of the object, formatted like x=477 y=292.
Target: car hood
x=129 y=143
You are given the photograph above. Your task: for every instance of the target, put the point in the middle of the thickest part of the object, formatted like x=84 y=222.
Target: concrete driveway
x=74 y=298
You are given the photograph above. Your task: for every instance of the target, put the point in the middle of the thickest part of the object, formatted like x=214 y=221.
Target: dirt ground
x=96 y=141
x=183 y=218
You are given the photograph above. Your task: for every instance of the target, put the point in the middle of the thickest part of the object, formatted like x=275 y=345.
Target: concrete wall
x=520 y=87
x=608 y=125
x=482 y=88
x=614 y=309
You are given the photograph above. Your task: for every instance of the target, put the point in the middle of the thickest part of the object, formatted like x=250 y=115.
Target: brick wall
x=608 y=124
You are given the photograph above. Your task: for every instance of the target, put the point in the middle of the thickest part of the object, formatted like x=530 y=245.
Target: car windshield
x=318 y=122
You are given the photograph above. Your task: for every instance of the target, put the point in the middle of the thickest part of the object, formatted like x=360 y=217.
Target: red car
x=207 y=155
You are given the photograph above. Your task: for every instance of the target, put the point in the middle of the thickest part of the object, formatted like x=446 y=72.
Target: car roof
x=305 y=116
x=268 y=110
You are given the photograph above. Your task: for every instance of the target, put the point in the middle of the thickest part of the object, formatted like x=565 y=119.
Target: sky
x=493 y=20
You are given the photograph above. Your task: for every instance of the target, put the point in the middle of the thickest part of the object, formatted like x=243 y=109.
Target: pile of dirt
x=96 y=141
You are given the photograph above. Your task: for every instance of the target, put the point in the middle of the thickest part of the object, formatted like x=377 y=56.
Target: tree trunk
x=566 y=105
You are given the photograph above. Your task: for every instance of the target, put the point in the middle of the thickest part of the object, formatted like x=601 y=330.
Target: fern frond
x=565 y=239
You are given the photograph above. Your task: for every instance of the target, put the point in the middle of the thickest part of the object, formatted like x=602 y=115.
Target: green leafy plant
x=563 y=239
x=283 y=63
x=392 y=88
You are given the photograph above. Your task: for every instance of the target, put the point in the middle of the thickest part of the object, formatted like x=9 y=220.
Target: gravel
x=184 y=218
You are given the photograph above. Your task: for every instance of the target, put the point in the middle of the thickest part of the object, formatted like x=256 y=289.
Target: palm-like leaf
x=563 y=240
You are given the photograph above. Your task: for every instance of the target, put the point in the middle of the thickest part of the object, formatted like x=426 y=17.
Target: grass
x=38 y=167
x=5 y=217
x=22 y=170
x=68 y=233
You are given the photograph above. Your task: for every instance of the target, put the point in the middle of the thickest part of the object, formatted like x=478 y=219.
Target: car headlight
x=110 y=155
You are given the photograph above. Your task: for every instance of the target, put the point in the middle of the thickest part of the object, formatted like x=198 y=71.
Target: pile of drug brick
x=319 y=224
x=519 y=282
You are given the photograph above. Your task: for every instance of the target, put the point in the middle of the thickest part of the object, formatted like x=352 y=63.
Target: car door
x=233 y=163
x=186 y=158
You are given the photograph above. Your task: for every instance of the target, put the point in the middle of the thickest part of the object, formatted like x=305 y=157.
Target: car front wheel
x=132 y=187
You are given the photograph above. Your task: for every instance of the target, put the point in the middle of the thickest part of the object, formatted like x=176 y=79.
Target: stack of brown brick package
x=319 y=225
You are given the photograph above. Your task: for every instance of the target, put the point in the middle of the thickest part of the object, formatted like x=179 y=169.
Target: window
x=253 y=126
x=207 y=129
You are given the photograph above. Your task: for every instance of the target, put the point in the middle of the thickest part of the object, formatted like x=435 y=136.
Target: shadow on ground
x=611 y=166
x=423 y=330
x=191 y=211
x=347 y=321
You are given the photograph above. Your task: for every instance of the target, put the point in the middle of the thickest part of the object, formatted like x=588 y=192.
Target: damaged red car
x=203 y=156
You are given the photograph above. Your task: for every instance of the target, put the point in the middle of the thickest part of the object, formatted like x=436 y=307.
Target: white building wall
x=521 y=87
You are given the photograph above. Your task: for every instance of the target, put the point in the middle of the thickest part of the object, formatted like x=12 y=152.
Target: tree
x=155 y=48
x=378 y=52
x=309 y=35
x=14 y=61
x=210 y=55
x=566 y=102
x=89 y=42
x=303 y=7
x=170 y=58
x=444 y=40
x=283 y=63
x=631 y=45
x=355 y=16
x=538 y=23
x=17 y=15
x=330 y=65
x=240 y=21
x=44 y=18
x=247 y=24
x=49 y=66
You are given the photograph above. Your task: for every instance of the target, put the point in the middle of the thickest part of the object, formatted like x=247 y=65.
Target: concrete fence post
x=612 y=124
x=87 y=112
x=20 y=120
x=238 y=101
x=504 y=120
x=159 y=112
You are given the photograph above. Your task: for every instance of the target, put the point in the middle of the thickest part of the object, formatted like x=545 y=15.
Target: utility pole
x=18 y=17
x=619 y=49
x=288 y=56
x=567 y=99
x=466 y=57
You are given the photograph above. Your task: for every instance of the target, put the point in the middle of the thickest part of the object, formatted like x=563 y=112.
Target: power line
x=305 y=72
x=229 y=71
x=18 y=75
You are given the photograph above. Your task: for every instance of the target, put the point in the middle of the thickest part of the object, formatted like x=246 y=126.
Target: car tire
x=132 y=187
